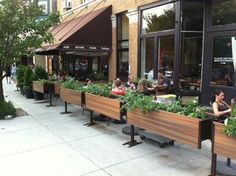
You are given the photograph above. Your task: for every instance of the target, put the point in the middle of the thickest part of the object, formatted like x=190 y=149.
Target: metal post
x=91 y=123
x=132 y=134
x=228 y=162
x=66 y=112
x=213 y=164
x=50 y=98
x=132 y=141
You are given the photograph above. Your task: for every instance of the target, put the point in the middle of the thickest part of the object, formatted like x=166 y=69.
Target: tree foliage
x=21 y=29
x=161 y=22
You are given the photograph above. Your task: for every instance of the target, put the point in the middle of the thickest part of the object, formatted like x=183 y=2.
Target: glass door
x=165 y=55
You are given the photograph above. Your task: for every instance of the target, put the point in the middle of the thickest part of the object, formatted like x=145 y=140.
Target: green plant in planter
x=7 y=108
x=71 y=83
x=134 y=100
x=40 y=73
x=28 y=78
x=230 y=128
x=20 y=72
x=195 y=110
x=97 y=89
x=46 y=82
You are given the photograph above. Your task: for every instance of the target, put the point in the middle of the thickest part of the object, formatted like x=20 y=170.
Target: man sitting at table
x=163 y=84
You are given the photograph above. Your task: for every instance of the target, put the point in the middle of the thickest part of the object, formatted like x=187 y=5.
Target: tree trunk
x=1 y=87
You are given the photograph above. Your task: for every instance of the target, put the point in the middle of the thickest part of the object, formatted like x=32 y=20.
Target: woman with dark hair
x=220 y=108
x=8 y=74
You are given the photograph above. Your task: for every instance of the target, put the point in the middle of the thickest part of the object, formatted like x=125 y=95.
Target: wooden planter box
x=38 y=87
x=103 y=105
x=71 y=96
x=186 y=130
x=223 y=144
x=57 y=87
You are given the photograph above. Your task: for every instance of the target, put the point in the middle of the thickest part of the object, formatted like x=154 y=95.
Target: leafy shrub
x=230 y=128
x=134 y=100
x=71 y=83
x=20 y=72
x=6 y=108
x=98 y=89
x=28 y=77
x=46 y=82
x=40 y=73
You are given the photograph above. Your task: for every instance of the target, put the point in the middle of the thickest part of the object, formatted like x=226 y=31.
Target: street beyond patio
x=47 y=143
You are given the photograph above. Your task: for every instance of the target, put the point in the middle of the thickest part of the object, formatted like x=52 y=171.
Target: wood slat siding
x=223 y=144
x=70 y=96
x=103 y=105
x=170 y=125
x=38 y=87
x=57 y=87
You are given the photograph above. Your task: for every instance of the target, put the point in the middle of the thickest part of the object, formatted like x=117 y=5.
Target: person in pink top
x=117 y=89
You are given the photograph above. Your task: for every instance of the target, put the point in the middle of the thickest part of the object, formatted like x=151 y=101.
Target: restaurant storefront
x=194 y=41
x=81 y=46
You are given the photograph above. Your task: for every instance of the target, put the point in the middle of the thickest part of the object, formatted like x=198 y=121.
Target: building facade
x=193 y=40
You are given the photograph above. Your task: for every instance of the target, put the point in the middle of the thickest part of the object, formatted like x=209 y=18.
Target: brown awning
x=92 y=30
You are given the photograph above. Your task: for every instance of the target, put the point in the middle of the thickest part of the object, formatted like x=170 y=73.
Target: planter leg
x=213 y=164
x=132 y=141
x=228 y=162
x=108 y=121
x=50 y=100
x=91 y=123
x=66 y=112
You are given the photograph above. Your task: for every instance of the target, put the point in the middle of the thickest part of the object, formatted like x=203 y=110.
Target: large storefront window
x=223 y=12
x=83 y=67
x=165 y=51
x=147 y=58
x=191 y=45
x=158 y=18
x=224 y=61
x=123 y=47
x=191 y=61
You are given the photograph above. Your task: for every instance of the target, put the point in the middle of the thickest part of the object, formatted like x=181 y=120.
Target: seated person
x=150 y=75
x=163 y=85
x=220 y=108
x=117 y=89
x=163 y=81
x=130 y=84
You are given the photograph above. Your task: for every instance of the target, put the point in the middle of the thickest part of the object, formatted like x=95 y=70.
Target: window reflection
x=223 y=12
x=123 y=46
x=147 y=58
x=166 y=54
x=191 y=59
x=158 y=18
x=224 y=61
x=192 y=15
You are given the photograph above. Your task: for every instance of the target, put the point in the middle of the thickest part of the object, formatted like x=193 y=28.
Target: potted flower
x=187 y=124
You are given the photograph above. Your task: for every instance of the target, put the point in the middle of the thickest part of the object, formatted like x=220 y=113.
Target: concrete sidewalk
x=46 y=143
